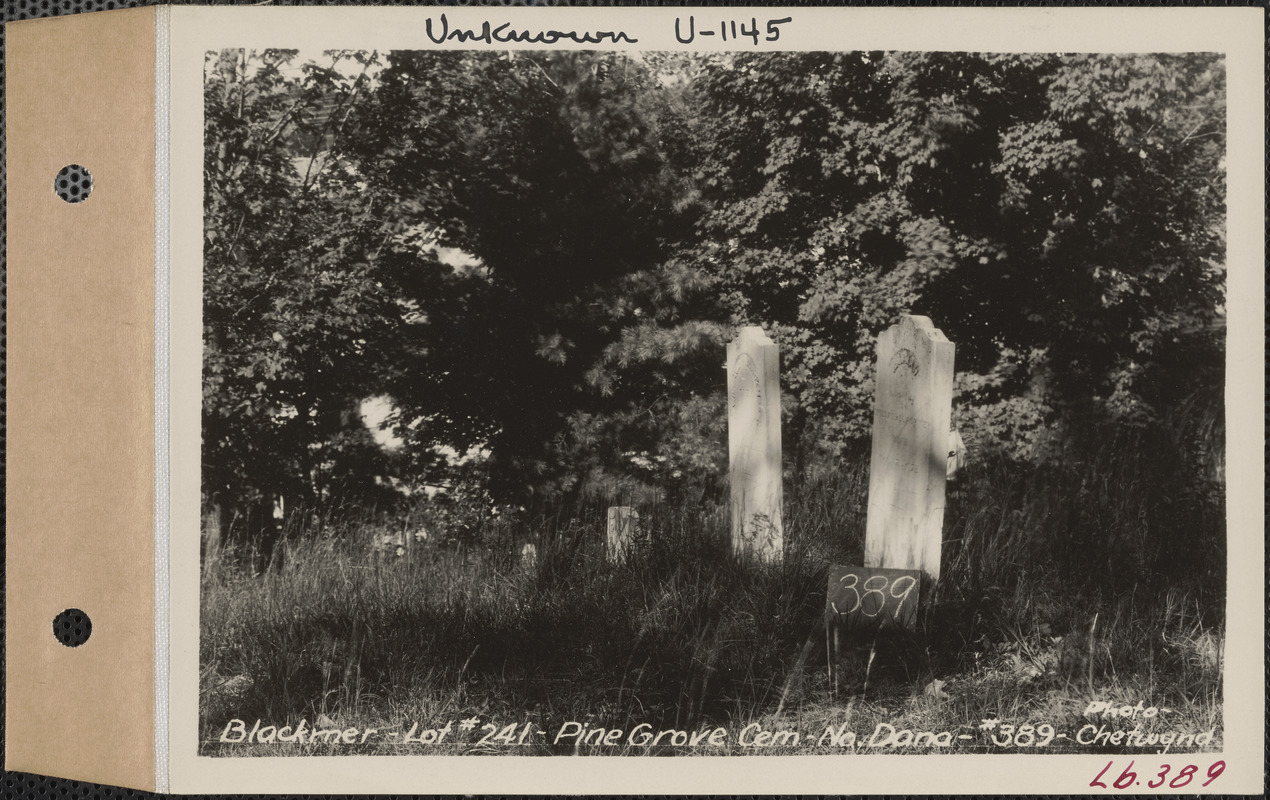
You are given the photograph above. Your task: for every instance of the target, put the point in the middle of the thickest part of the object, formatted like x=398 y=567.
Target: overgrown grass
x=1059 y=588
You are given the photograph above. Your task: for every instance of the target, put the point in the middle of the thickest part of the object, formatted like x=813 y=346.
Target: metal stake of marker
x=796 y=671
x=873 y=650
x=831 y=650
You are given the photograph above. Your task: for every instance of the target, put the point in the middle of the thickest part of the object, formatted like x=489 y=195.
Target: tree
x=543 y=253
x=547 y=171
x=1059 y=217
x=295 y=324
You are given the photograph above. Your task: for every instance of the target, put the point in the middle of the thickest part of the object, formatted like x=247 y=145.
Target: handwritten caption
x=1186 y=772
x=687 y=31
x=729 y=30
x=1107 y=725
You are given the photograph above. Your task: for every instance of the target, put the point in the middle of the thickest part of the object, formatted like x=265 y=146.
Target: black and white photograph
x=607 y=401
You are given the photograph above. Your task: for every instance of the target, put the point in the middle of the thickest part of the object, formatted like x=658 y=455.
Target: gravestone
x=957 y=454
x=623 y=527
x=212 y=526
x=911 y=414
x=754 y=443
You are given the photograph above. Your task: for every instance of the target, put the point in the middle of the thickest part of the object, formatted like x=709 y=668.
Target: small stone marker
x=911 y=413
x=623 y=527
x=754 y=443
x=211 y=536
x=957 y=454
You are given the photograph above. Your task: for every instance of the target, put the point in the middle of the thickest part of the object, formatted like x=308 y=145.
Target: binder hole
x=72 y=627
x=73 y=183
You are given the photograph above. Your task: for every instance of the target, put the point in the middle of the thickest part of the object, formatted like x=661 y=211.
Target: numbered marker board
x=873 y=598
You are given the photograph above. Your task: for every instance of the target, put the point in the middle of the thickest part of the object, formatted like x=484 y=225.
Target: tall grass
x=1059 y=587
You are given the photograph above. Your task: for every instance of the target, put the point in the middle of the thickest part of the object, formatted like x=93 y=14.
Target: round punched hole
x=73 y=183
x=72 y=627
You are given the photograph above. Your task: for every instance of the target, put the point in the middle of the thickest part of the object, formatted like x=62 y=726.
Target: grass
x=1061 y=586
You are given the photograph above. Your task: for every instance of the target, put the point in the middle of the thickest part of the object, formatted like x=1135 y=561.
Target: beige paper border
x=1237 y=32
x=80 y=398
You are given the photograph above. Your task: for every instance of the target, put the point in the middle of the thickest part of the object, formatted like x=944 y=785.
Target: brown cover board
x=80 y=398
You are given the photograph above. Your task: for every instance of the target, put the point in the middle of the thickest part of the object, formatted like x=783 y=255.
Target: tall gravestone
x=754 y=443
x=911 y=414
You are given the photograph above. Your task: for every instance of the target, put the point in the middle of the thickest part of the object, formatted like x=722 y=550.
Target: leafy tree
x=295 y=324
x=1059 y=217
x=543 y=253
x=548 y=172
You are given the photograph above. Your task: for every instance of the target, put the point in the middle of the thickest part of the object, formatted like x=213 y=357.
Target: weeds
x=1049 y=601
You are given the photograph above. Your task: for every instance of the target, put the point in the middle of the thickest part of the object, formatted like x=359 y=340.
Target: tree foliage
x=1061 y=218
x=296 y=324
x=545 y=170
x=543 y=253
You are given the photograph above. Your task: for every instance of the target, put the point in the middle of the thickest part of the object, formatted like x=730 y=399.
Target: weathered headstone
x=911 y=413
x=212 y=526
x=754 y=443
x=957 y=453
x=623 y=527
x=528 y=557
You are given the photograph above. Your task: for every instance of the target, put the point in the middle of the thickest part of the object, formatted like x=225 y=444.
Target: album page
x=816 y=400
